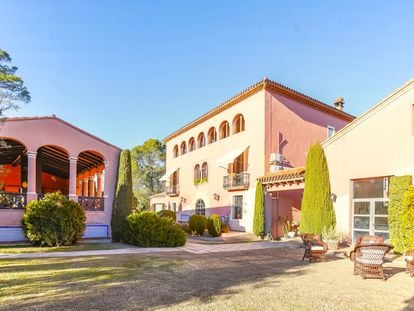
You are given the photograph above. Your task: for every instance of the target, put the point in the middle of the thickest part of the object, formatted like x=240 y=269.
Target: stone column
x=72 y=178
x=99 y=185
x=85 y=187
x=31 y=176
x=92 y=185
x=105 y=182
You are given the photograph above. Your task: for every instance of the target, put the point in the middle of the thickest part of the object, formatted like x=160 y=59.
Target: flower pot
x=291 y=234
x=332 y=244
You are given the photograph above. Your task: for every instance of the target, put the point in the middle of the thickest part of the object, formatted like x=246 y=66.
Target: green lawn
x=272 y=279
x=27 y=248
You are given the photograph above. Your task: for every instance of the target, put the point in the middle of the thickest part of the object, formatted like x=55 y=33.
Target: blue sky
x=127 y=71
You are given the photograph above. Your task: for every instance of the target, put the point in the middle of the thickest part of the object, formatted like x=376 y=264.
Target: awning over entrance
x=289 y=179
x=167 y=174
x=229 y=157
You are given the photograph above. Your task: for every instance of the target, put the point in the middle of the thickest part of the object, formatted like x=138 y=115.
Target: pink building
x=364 y=155
x=47 y=154
x=262 y=133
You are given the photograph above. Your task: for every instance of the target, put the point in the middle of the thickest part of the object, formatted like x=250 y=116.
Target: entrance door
x=370 y=217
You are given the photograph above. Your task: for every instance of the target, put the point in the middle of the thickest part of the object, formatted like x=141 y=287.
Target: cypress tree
x=259 y=214
x=123 y=197
x=398 y=186
x=317 y=212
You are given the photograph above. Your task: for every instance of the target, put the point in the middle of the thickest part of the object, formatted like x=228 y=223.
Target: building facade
x=213 y=163
x=40 y=155
x=364 y=155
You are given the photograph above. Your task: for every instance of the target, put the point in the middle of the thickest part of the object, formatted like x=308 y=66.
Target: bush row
x=199 y=223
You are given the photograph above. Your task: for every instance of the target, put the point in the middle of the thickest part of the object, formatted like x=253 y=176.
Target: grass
x=27 y=248
x=272 y=279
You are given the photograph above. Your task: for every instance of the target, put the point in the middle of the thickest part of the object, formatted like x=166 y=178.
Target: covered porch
x=284 y=191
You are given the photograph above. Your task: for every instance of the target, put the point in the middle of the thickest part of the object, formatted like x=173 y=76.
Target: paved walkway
x=194 y=248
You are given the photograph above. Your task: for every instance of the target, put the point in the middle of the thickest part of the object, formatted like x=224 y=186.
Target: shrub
x=406 y=223
x=198 y=223
x=398 y=186
x=147 y=229
x=167 y=213
x=259 y=214
x=185 y=227
x=53 y=221
x=214 y=225
x=124 y=198
x=317 y=207
x=225 y=228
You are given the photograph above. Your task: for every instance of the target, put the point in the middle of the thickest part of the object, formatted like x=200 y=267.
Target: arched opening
x=200 y=207
x=212 y=135
x=238 y=124
x=201 y=140
x=183 y=148
x=204 y=172
x=175 y=151
x=52 y=170
x=224 y=130
x=191 y=144
x=197 y=174
x=13 y=173
x=90 y=180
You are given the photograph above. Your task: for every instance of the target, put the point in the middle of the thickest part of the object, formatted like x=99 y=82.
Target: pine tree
x=259 y=214
x=123 y=197
x=317 y=212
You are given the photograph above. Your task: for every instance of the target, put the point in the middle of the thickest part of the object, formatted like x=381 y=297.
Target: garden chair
x=368 y=260
x=364 y=240
x=315 y=248
x=409 y=259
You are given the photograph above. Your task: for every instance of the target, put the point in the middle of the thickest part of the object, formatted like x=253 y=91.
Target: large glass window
x=370 y=207
x=200 y=207
x=237 y=212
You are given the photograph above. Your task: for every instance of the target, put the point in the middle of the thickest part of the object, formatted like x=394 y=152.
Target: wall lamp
x=216 y=197
x=333 y=197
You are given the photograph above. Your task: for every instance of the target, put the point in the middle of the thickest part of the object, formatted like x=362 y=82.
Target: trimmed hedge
x=124 y=197
x=167 y=213
x=407 y=220
x=317 y=208
x=53 y=221
x=147 y=229
x=259 y=211
x=214 y=225
x=398 y=186
x=198 y=223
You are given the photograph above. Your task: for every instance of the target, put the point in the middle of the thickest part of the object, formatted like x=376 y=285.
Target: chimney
x=339 y=103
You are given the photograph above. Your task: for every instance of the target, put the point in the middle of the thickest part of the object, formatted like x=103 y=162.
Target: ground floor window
x=174 y=207
x=200 y=207
x=370 y=208
x=237 y=210
x=158 y=207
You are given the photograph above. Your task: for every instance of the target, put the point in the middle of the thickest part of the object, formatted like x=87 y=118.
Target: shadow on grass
x=410 y=304
x=139 y=281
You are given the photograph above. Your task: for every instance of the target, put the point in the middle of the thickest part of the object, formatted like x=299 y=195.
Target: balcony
x=91 y=203
x=236 y=182
x=10 y=200
x=173 y=191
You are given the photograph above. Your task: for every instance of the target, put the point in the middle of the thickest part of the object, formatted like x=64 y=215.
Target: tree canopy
x=148 y=165
x=12 y=90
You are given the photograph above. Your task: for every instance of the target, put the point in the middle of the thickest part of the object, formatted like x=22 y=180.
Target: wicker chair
x=368 y=260
x=365 y=240
x=315 y=248
x=409 y=259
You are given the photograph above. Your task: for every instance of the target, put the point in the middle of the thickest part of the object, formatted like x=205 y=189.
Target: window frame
x=233 y=207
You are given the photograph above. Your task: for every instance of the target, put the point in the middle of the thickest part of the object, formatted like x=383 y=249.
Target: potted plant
x=331 y=237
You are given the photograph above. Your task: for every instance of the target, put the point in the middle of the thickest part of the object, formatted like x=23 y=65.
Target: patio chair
x=369 y=259
x=364 y=240
x=315 y=248
x=409 y=259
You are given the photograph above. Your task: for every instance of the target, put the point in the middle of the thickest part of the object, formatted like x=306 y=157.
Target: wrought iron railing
x=91 y=203
x=236 y=181
x=12 y=200
x=173 y=190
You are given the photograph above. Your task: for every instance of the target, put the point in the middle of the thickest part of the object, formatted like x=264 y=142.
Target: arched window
x=201 y=140
x=238 y=124
x=191 y=144
x=204 y=171
x=197 y=174
x=224 y=130
x=211 y=135
x=200 y=207
x=183 y=148
x=175 y=151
